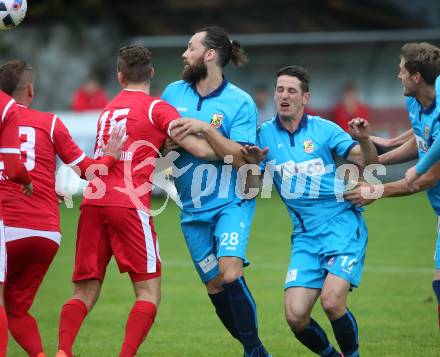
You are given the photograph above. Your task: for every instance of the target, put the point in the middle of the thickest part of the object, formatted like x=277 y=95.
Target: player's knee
x=231 y=269
x=333 y=306
x=88 y=292
x=296 y=319
x=229 y=275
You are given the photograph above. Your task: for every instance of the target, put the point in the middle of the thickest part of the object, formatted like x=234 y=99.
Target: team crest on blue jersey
x=216 y=120
x=426 y=132
x=308 y=146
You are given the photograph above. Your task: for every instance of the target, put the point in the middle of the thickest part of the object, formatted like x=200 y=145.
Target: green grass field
x=395 y=306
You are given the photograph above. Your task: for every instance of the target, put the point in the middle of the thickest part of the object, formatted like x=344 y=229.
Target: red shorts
x=28 y=261
x=126 y=233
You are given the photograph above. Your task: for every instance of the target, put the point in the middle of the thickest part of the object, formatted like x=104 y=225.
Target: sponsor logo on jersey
x=308 y=146
x=216 y=120
x=426 y=132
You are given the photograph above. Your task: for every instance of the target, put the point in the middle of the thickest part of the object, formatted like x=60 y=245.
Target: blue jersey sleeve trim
x=347 y=151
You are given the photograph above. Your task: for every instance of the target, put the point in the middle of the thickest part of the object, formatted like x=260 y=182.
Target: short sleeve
x=161 y=114
x=9 y=143
x=68 y=151
x=244 y=127
x=339 y=141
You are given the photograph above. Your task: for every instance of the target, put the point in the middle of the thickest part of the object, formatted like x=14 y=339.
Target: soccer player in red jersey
x=32 y=227
x=14 y=168
x=117 y=219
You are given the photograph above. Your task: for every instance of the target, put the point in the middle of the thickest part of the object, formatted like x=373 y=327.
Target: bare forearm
x=396 y=189
x=368 y=152
x=223 y=146
x=402 y=138
x=197 y=146
x=405 y=152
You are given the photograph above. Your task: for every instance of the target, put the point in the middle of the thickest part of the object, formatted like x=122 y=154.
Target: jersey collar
x=302 y=123
x=429 y=109
x=214 y=93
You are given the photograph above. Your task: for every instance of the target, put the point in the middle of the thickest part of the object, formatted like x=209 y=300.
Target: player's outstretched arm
x=220 y=145
x=366 y=193
x=418 y=182
x=404 y=153
x=190 y=140
x=365 y=153
x=392 y=142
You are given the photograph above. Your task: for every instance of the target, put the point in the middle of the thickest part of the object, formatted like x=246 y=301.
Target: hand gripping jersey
x=147 y=121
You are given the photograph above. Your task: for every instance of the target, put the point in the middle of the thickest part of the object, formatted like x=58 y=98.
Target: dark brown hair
x=422 y=57
x=217 y=39
x=15 y=75
x=298 y=72
x=134 y=62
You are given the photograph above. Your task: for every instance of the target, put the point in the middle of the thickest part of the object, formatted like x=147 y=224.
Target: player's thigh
x=344 y=240
x=134 y=242
x=93 y=249
x=305 y=268
x=198 y=231
x=28 y=261
x=232 y=228
x=298 y=303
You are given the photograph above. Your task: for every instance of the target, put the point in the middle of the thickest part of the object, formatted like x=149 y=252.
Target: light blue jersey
x=303 y=167
x=330 y=235
x=206 y=185
x=433 y=154
x=426 y=126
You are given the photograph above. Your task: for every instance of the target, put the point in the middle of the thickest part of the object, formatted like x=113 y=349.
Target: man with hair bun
x=216 y=220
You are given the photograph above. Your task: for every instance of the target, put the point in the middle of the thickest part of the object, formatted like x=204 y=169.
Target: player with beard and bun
x=16 y=172
x=32 y=224
x=215 y=220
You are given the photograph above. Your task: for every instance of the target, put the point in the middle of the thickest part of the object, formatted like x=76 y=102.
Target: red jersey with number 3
x=41 y=136
x=147 y=122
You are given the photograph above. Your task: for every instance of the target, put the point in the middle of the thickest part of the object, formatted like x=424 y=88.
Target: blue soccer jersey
x=425 y=124
x=204 y=185
x=303 y=168
x=433 y=154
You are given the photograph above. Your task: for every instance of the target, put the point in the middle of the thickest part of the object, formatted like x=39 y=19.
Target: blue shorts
x=220 y=232
x=338 y=247
x=437 y=247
